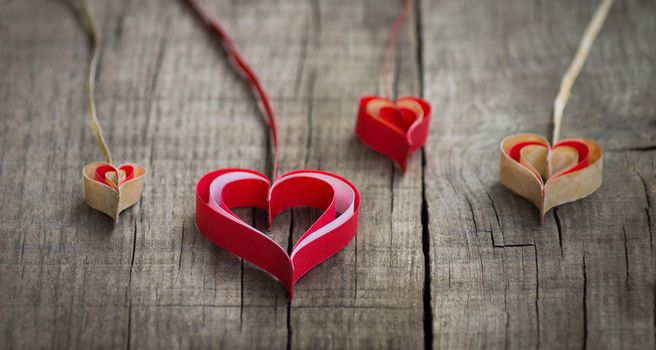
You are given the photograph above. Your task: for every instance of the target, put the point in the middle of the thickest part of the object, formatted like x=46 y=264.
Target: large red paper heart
x=549 y=176
x=218 y=192
x=394 y=129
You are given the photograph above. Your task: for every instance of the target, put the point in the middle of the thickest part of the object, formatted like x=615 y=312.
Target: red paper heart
x=112 y=177
x=218 y=192
x=394 y=129
x=582 y=152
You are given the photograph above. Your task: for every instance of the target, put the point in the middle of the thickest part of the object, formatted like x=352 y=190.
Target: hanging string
x=575 y=67
x=94 y=125
x=389 y=46
x=240 y=65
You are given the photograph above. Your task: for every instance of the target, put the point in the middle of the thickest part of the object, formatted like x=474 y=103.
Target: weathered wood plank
x=168 y=99
x=499 y=279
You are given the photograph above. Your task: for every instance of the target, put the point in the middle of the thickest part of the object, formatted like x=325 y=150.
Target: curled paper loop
x=394 y=129
x=219 y=191
x=112 y=190
x=550 y=176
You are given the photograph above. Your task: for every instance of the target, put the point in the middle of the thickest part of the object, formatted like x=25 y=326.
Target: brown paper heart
x=112 y=190
x=550 y=176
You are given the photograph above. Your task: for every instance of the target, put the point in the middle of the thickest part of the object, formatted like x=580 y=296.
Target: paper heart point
x=110 y=189
x=394 y=129
x=550 y=176
x=218 y=192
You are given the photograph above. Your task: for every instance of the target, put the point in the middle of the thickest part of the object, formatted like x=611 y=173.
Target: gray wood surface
x=445 y=256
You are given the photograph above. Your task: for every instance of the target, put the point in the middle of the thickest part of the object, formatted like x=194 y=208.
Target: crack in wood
x=648 y=148
x=425 y=229
x=22 y=250
x=626 y=259
x=647 y=210
x=511 y=245
x=505 y=307
x=241 y=279
x=496 y=216
x=585 y=305
x=241 y=294
x=559 y=227
x=537 y=294
x=289 y=325
x=290 y=242
x=355 y=268
x=425 y=244
x=290 y=239
x=391 y=222
x=134 y=248
x=181 y=246
x=473 y=215
x=129 y=330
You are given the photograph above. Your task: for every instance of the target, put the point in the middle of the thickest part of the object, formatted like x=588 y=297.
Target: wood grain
x=586 y=277
x=445 y=256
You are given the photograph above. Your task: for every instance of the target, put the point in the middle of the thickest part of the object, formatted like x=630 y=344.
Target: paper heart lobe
x=549 y=176
x=112 y=190
x=219 y=191
x=394 y=129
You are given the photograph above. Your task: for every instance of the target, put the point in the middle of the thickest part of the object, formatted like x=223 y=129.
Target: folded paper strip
x=219 y=191
x=394 y=129
x=111 y=190
x=550 y=176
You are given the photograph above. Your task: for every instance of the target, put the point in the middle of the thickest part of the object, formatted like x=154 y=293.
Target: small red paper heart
x=395 y=129
x=218 y=192
x=113 y=177
x=572 y=164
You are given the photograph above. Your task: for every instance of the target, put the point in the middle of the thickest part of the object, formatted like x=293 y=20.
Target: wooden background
x=445 y=257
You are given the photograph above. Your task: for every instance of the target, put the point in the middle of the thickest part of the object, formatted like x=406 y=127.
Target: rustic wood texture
x=445 y=256
x=499 y=279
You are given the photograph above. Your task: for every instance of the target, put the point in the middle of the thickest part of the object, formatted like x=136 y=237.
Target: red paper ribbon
x=101 y=174
x=219 y=191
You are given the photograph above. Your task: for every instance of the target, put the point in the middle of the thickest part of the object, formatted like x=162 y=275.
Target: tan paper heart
x=571 y=169
x=550 y=176
x=106 y=188
x=112 y=190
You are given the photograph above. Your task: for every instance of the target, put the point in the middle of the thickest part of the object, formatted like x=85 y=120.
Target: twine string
x=575 y=67
x=94 y=124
